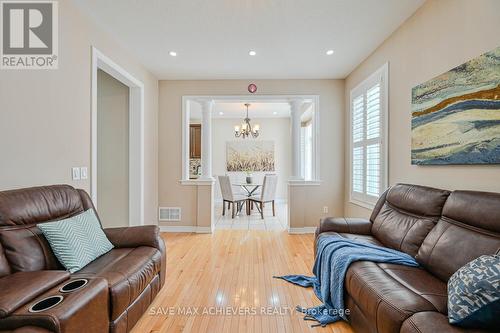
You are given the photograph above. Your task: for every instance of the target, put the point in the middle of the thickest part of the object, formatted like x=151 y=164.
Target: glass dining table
x=249 y=188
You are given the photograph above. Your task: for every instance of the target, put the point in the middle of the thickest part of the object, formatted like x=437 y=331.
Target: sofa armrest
x=19 y=288
x=146 y=235
x=433 y=322
x=345 y=225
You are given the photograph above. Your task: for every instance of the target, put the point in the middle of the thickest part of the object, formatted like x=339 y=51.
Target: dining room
x=251 y=163
x=256 y=166
x=255 y=149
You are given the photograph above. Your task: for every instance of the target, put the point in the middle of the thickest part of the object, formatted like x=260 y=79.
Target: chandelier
x=246 y=128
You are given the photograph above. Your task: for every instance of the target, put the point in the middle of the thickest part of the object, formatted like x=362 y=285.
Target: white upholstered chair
x=268 y=194
x=229 y=197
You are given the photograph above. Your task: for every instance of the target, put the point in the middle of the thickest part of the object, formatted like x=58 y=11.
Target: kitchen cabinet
x=195 y=141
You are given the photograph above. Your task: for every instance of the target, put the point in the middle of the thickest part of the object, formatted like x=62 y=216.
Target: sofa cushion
x=387 y=296
x=27 y=250
x=39 y=204
x=31 y=329
x=477 y=209
x=420 y=282
x=461 y=232
x=363 y=238
x=4 y=264
x=76 y=241
x=407 y=216
x=418 y=200
x=432 y=322
x=128 y=271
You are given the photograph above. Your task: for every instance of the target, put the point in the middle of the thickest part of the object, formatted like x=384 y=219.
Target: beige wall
x=439 y=36
x=112 y=150
x=329 y=193
x=45 y=114
x=272 y=129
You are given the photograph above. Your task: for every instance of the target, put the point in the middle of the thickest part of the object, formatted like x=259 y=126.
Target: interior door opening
x=131 y=134
x=112 y=150
x=288 y=132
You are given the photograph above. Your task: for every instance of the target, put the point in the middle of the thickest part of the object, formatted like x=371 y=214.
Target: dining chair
x=228 y=196
x=257 y=191
x=268 y=194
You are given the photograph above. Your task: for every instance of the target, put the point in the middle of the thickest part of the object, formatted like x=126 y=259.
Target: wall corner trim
x=303 y=230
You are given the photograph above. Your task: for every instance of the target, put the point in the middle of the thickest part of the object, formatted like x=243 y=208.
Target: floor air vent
x=170 y=213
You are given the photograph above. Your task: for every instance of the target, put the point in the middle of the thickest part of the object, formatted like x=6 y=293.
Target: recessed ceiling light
x=329 y=52
x=173 y=53
x=221 y=113
x=252 y=53
x=275 y=113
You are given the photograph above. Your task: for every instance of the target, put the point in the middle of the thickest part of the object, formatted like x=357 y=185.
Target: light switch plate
x=83 y=173
x=75 y=173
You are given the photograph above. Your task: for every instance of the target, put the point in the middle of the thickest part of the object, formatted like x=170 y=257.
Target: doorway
x=289 y=125
x=112 y=150
x=117 y=143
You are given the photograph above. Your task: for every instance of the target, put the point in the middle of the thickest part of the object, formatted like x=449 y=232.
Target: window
x=368 y=146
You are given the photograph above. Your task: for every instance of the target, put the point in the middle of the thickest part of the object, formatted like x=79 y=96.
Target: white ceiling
x=212 y=38
x=238 y=110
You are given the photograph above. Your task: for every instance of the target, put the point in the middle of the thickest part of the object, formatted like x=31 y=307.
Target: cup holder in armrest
x=46 y=303
x=73 y=285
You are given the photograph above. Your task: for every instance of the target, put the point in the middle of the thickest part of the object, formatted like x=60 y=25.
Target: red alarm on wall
x=252 y=88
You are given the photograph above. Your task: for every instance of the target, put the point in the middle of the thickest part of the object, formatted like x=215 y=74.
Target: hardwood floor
x=227 y=278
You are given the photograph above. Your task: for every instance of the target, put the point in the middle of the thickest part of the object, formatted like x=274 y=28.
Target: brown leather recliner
x=443 y=230
x=117 y=287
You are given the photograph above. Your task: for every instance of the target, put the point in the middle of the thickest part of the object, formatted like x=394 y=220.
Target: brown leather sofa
x=119 y=287
x=443 y=230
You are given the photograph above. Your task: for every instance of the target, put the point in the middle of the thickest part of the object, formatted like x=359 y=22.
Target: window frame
x=380 y=75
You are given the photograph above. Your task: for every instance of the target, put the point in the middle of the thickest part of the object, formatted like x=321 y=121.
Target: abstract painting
x=456 y=116
x=250 y=156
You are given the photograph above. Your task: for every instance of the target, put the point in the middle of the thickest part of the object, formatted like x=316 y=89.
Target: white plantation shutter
x=358 y=124
x=358 y=166
x=368 y=138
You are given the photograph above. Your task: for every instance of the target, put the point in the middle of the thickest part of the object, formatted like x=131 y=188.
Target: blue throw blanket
x=334 y=255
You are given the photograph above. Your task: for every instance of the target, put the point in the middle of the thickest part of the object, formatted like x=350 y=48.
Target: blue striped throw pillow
x=76 y=241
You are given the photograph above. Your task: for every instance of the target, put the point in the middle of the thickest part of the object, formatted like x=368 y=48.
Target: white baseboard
x=208 y=230
x=278 y=201
x=204 y=230
x=303 y=230
x=185 y=228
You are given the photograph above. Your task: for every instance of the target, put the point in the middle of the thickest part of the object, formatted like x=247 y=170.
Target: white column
x=296 y=108
x=206 y=139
